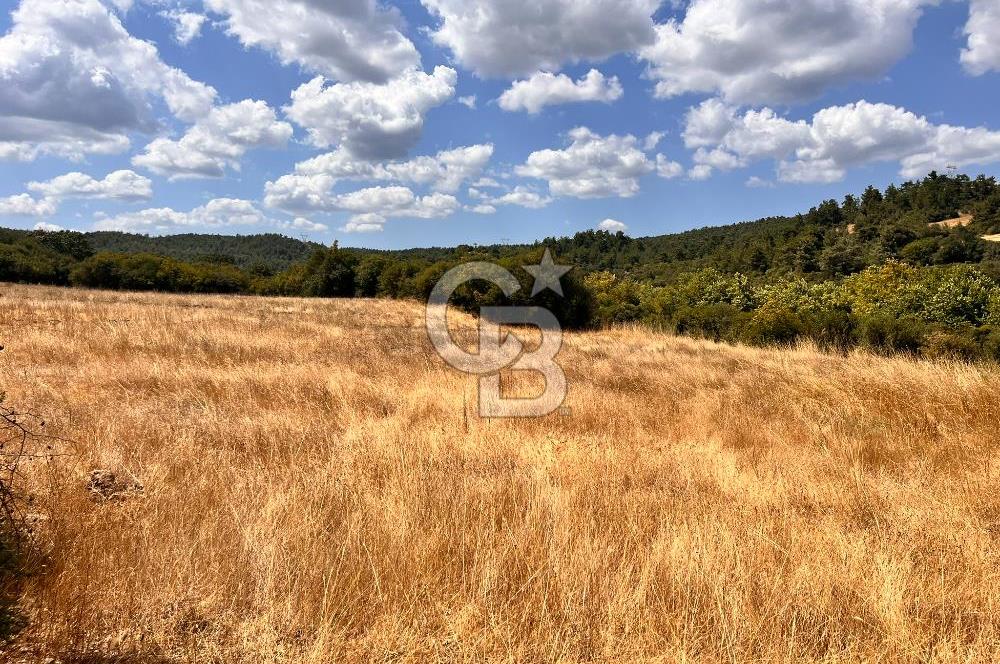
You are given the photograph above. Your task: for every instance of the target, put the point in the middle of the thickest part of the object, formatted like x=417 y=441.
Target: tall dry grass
x=318 y=488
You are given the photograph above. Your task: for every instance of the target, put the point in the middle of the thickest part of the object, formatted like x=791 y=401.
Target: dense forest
x=256 y=253
x=907 y=269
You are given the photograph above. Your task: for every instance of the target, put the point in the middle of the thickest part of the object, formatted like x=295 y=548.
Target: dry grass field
x=319 y=488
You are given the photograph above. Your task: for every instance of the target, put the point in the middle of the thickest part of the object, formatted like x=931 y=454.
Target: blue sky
x=354 y=120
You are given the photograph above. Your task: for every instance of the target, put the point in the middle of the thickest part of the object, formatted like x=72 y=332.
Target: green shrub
x=888 y=334
x=942 y=344
x=773 y=325
x=718 y=322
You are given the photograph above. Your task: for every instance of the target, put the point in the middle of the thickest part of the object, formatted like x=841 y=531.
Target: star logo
x=547 y=275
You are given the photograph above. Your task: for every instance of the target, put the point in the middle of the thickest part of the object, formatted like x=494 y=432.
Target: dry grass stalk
x=318 y=488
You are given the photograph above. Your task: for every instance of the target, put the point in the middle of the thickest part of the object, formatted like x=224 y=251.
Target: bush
x=773 y=325
x=718 y=322
x=942 y=344
x=831 y=328
x=889 y=334
x=617 y=300
x=148 y=272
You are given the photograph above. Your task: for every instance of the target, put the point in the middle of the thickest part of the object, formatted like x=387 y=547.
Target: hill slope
x=275 y=252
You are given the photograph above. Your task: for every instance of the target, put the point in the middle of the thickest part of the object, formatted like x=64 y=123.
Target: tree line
x=874 y=270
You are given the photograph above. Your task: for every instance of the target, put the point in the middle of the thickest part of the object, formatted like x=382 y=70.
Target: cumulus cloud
x=75 y=82
x=520 y=196
x=469 y=102
x=47 y=227
x=652 y=140
x=700 y=172
x=779 y=51
x=836 y=139
x=187 y=25
x=445 y=171
x=957 y=147
x=353 y=40
x=506 y=38
x=612 y=226
x=667 y=169
x=372 y=121
x=303 y=224
x=313 y=193
x=756 y=182
x=365 y=223
x=216 y=142
x=310 y=187
x=983 y=30
x=300 y=193
x=397 y=202
x=121 y=185
x=373 y=206
x=545 y=89
x=24 y=205
x=592 y=166
x=217 y=213
x=708 y=123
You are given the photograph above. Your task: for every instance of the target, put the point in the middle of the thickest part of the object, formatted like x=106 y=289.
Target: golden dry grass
x=318 y=488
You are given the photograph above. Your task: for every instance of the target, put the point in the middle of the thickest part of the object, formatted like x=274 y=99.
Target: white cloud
x=75 y=82
x=304 y=193
x=700 y=172
x=520 y=196
x=311 y=186
x=612 y=226
x=47 y=227
x=957 y=147
x=372 y=121
x=23 y=205
x=396 y=203
x=506 y=38
x=300 y=193
x=708 y=123
x=388 y=202
x=220 y=212
x=755 y=182
x=667 y=169
x=303 y=224
x=215 y=142
x=545 y=89
x=486 y=183
x=121 y=185
x=652 y=140
x=591 y=167
x=718 y=159
x=836 y=139
x=365 y=223
x=469 y=102
x=345 y=40
x=779 y=51
x=983 y=30
x=445 y=171
x=855 y=134
x=187 y=25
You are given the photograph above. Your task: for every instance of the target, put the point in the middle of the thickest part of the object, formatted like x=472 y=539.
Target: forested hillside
x=912 y=268
x=257 y=253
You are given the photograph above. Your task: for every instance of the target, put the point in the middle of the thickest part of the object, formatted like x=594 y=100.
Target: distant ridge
x=270 y=250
